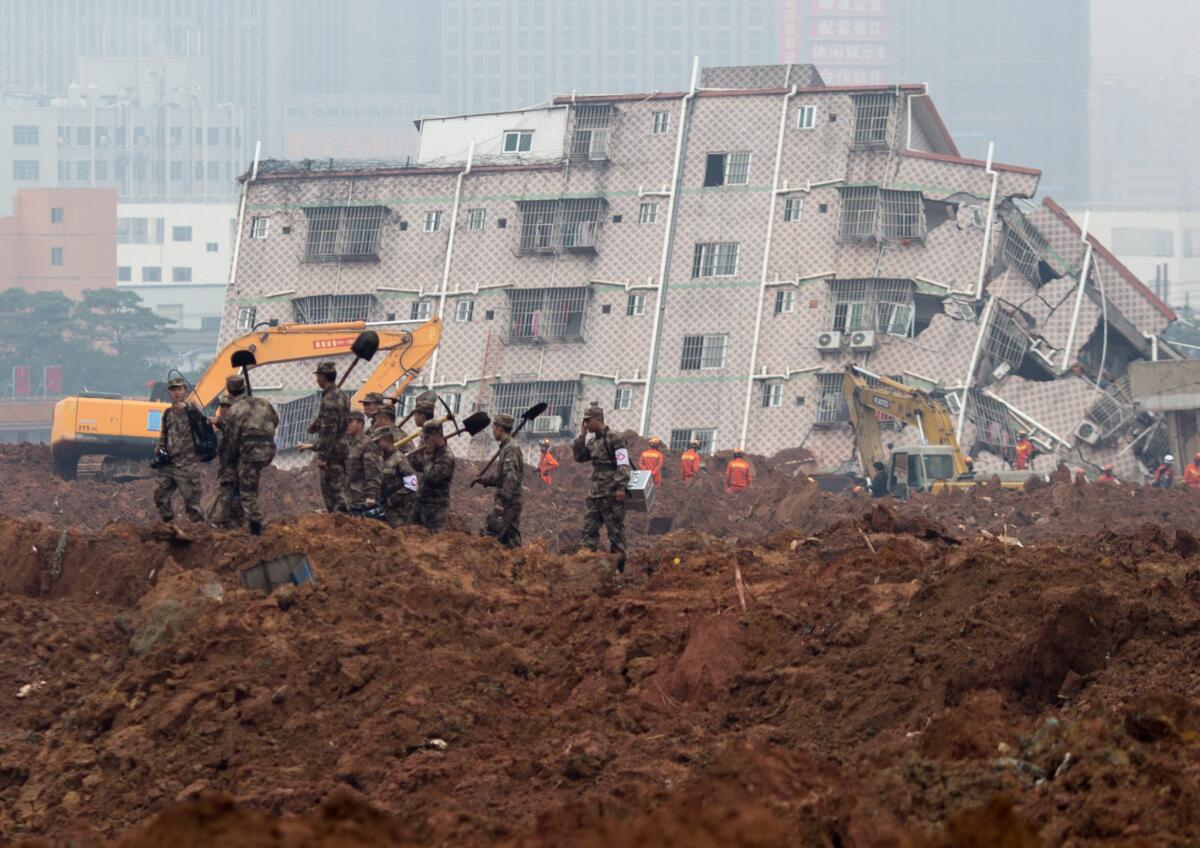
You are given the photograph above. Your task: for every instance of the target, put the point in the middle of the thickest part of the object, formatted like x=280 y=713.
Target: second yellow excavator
x=105 y=436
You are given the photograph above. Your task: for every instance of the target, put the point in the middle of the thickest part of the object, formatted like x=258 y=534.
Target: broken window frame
x=902 y=215
x=1114 y=409
x=1006 y=339
x=1023 y=247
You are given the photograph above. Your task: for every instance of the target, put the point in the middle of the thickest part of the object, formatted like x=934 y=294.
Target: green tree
x=34 y=328
x=119 y=339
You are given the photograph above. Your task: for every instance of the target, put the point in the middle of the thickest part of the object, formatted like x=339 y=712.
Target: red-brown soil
x=894 y=677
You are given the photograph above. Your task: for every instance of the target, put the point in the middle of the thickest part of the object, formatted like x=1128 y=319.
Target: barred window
x=849 y=302
x=294 y=418
x=1006 y=340
x=1114 y=409
x=537 y=225
x=589 y=142
x=881 y=304
x=1022 y=246
x=333 y=308
x=580 y=219
x=715 y=259
x=859 y=207
x=831 y=399
x=546 y=314
x=515 y=398
x=343 y=232
x=548 y=226
x=871 y=116
x=727 y=169
x=993 y=424
x=903 y=215
x=680 y=440
x=703 y=352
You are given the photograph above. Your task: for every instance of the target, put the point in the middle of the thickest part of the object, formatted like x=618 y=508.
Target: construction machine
x=935 y=465
x=103 y=436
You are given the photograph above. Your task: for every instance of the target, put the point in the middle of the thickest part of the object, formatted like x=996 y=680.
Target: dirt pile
x=885 y=681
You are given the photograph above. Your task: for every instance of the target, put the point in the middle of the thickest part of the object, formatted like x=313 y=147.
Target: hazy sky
x=1147 y=36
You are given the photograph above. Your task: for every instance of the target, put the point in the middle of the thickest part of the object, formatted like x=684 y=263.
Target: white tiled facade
x=808 y=163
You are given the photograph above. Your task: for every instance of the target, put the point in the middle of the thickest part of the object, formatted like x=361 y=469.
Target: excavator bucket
x=243 y=359
x=366 y=345
x=476 y=423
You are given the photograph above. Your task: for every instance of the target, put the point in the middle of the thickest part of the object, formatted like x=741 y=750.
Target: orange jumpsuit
x=689 y=464
x=652 y=460
x=1191 y=475
x=1024 y=451
x=737 y=475
x=546 y=467
x=1105 y=477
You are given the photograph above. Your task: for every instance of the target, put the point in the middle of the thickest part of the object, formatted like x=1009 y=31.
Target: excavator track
x=110 y=469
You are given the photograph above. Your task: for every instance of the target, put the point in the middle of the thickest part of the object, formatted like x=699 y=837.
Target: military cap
x=431 y=428
x=374 y=397
x=224 y=399
x=384 y=410
x=503 y=419
x=593 y=412
x=355 y=415
x=176 y=383
x=235 y=383
x=386 y=433
x=424 y=407
x=326 y=367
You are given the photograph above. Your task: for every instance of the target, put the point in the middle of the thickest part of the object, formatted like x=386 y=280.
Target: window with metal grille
x=893 y=306
x=294 y=418
x=680 y=440
x=715 y=259
x=536 y=229
x=518 y=141
x=464 y=311
x=872 y=113
x=546 y=314
x=662 y=123
x=993 y=424
x=476 y=218
x=1006 y=340
x=849 y=305
x=1153 y=447
x=245 y=317
x=831 y=400
x=343 y=232
x=1022 y=246
x=547 y=226
x=648 y=213
x=1114 y=409
x=772 y=394
x=726 y=169
x=333 y=308
x=433 y=220
x=579 y=220
x=420 y=310
x=515 y=398
x=589 y=142
x=635 y=304
x=258 y=227
x=623 y=398
x=792 y=207
x=785 y=301
x=903 y=214
x=806 y=117
x=703 y=352
x=860 y=205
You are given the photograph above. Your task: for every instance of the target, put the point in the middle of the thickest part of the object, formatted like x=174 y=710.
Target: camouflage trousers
x=254 y=457
x=400 y=511
x=432 y=515
x=504 y=524
x=611 y=514
x=227 y=510
x=185 y=478
x=333 y=482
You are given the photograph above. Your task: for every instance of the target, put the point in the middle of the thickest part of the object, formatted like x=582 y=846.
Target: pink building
x=60 y=239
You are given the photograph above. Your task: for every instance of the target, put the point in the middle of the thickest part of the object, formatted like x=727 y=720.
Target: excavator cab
x=920 y=468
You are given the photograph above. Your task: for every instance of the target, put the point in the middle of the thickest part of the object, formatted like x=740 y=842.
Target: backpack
x=204 y=437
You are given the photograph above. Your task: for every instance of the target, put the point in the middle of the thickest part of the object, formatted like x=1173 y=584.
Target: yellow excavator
x=935 y=465
x=104 y=436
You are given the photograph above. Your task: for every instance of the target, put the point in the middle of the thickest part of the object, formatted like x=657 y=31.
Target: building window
x=635 y=304
x=56 y=215
x=559 y=397
x=518 y=141
x=727 y=169
x=1023 y=246
x=258 y=227
x=1006 y=341
x=792 y=208
x=806 y=117
x=903 y=215
x=151 y=274
x=294 y=418
x=214 y=135
x=56 y=256
x=831 y=399
x=785 y=301
x=83 y=171
x=176 y=170
x=124 y=274
x=210 y=323
x=871 y=116
x=181 y=275
x=859 y=207
x=716 y=259
x=214 y=170
x=882 y=304
x=211 y=247
x=420 y=310
x=83 y=136
x=453 y=401
x=550 y=226
x=648 y=213
x=623 y=398
x=25 y=134
x=245 y=317
x=433 y=221
x=464 y=311
x=772 y=394
x=176 y=136
x=589 y=141
x=703 y=353
x=101 y=170
x=343 y=232
x=662 y=123
x=680 y=439
x=181 y=233
x=546 y=314
x=332 y=308
x=25 y=169
x=476 y=218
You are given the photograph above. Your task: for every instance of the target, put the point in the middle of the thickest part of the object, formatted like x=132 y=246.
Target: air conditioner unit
x=1002 y=371
x=831 y=340
x=862 y=340
x=1088 y=432
x=547 y=424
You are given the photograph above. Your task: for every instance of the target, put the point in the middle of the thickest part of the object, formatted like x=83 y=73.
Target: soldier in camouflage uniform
x=434 y=465
x=504 y=521
x=363 y=464
x=422 y=414
x=398 y=480
x=227 y=511
x=330 y=445
x=609 y=456
x=383 y=419
x=182 y=469
x=250 y=426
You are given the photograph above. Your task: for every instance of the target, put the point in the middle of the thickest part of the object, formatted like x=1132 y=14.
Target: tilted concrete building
x=706 y=263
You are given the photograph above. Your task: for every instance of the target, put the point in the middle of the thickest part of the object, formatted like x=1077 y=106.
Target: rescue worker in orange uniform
x=547 y=463
x=652 y=460
x=1191 y=473
x=1024 y=451
x=689 y=461
x=1107 y=476
x=738 y=474
x=1164 y=475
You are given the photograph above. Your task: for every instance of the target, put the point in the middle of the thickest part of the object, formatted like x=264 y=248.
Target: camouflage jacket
x=398 y=481
x=436 y=471
x=332 y=416
x=609 y=456
x=175 y=434
x=250 y=419
x=363 y=464
x=226 y=455
x=509 y=473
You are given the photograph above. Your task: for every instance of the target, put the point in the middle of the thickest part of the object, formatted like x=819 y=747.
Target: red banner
x=21 y=387
x=52 y=380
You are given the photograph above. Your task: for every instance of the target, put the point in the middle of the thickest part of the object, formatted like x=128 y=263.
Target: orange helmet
x=655 y=441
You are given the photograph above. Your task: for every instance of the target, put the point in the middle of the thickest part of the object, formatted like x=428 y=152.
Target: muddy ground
x=786 y=667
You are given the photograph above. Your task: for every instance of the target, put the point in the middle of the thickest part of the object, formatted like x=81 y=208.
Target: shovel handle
x=357 y=359
x=496 y=455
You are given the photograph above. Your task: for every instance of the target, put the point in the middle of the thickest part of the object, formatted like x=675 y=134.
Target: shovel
x=526 y=416
x=364 y=347
x=421 y=397
x=474 y=424
x=245 y=360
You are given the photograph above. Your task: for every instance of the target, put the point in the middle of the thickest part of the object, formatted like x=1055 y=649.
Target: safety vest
x=1191 y=475
x=1024 y=452
x=689 y=464
x=737 y=475
x=652 y=460
x=546 y=467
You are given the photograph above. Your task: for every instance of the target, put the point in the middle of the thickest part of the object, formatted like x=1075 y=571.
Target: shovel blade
x=242 y=359
x=366 y=345
x=476 y=423
x=534 y=411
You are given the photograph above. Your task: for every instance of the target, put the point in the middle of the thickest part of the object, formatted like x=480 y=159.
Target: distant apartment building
x=59 y=240
x=705 y=264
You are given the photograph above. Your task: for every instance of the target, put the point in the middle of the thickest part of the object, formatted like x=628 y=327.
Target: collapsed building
x=705 y=264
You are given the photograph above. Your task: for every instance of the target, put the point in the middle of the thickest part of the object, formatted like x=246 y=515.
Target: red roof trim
x=977 y=163
x=400 y=172
x=1129 y=276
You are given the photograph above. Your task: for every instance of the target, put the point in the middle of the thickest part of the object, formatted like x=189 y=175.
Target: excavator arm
x=912 y=406
x=403 y=362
